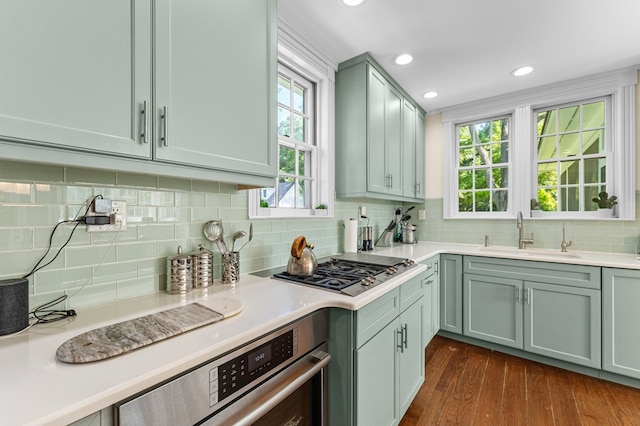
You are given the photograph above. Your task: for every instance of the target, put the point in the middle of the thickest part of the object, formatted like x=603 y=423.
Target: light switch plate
x=422 y=215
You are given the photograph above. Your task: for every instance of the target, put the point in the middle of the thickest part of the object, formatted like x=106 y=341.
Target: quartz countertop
x=38 y=389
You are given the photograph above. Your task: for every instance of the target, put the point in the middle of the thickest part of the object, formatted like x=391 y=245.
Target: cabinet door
x=393 y=140
x=76 y=74
x=620 y=319
x=493 y=310
x=451 y=293
x=215 y=79
x=563 y=322
x=411 y=359
x=409 y=149
x=377 y=176
x=376 y=389
x=427 y=310
x=420 y=156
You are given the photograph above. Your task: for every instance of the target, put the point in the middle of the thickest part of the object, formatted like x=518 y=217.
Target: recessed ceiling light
x=352 y=2
x=430 y=95
x=519 y=72
x=403 y=59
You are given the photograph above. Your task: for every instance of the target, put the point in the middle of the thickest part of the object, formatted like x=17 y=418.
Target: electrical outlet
x=421 y=215
x=117 y=218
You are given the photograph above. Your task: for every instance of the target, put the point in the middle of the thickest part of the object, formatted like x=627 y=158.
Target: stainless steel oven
x=279 y=379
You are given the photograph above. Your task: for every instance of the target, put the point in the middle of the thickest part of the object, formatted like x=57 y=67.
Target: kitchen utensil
x=367 y=238
x=179 y=273
x=384 y=240
x=214 y=232
x=250 y=237
x=237 y=236
x=405 y=216
x=409 y=233
x=202 y=267
x=303 y=262
x=230 y=267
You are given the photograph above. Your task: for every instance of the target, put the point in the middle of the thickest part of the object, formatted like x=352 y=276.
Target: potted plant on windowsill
x=605 y=204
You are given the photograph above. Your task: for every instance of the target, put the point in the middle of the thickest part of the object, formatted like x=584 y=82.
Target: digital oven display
x=259 y=358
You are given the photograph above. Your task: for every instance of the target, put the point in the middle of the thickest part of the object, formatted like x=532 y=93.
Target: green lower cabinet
x=451 y=293
x=390 y=370
x=377 y=357
x=376 y=384
x=555 y=320
x=563 y=322
x=492 y=310
x=431 y=301
x=620 y=319
x=410 y=351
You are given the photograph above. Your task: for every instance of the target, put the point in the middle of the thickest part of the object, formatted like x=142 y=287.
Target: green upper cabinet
x=378 y=128
x=215 y=76
x=182 y=88
x=76 y=73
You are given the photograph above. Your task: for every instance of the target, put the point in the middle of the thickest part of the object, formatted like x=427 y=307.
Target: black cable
x=77 y=222
x=44 y=315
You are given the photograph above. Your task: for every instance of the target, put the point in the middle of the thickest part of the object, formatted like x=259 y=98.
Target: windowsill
x=282 y=213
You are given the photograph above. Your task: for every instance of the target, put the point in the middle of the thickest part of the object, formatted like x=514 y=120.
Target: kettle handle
x=298 y=246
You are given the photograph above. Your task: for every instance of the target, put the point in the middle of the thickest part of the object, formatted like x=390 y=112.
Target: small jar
x=202 y=267
x=179 y=273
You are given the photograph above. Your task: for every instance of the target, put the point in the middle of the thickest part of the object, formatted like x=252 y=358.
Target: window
x=483 y=165
x=304 y=186
x=571 y=155
x=296 y=144
x=546 y=152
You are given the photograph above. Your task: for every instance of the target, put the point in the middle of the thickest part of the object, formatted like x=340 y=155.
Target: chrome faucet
x=522 y=242
x=564 y=244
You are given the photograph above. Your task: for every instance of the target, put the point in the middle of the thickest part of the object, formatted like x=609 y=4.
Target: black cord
x=77 y=221
x=43 y=315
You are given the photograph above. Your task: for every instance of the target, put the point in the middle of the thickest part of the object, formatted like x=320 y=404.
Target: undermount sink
x=514 y=251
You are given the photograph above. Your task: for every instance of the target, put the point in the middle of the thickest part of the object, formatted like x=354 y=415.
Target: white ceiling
x=466 y=49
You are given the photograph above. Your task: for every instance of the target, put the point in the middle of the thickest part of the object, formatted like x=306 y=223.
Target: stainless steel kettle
x=303 y=262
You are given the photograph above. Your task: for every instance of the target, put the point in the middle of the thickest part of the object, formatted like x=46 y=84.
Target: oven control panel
x=226 y=379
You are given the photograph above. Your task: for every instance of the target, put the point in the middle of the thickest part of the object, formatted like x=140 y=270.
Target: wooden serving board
x=126 y=336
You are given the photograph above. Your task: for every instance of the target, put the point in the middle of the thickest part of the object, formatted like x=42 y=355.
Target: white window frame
x=320 y=70
x=475 y=214
x=620 y=85
x=608 y=155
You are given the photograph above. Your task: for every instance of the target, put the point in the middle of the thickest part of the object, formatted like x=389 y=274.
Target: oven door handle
x=266 y=396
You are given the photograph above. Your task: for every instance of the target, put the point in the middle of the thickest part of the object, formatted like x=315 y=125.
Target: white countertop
x=37 y=389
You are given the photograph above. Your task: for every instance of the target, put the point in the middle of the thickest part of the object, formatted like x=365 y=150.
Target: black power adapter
x=97 y=220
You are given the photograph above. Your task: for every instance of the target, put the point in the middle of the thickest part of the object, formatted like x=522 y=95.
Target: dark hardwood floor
x=468 y=385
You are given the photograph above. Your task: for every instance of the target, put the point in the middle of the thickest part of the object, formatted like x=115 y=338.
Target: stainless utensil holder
x=230 y=267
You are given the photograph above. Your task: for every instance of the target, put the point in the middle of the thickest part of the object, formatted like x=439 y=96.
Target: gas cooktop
x=352 y=273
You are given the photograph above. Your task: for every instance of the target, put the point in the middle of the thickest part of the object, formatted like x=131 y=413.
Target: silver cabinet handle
x=399 y=333
x=391 y=185
x=517 y=295
x=144 y=123
x=527 y=296
x=429 y=282
x=404 y=336
x=165 y=126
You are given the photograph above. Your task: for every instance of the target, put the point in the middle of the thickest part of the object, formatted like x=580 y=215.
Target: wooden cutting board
x=126 y=336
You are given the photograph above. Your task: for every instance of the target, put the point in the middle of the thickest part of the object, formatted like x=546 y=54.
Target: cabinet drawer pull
x=517 y=294
x=526 y=296
x=404 y=336
x=399 y=340
x=165 y=126
x=429 y=282
x=143 y=122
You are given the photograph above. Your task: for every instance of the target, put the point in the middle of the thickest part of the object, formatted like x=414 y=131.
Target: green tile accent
x=31 y=172
x=155 y=198
x=93 y=176
x=94 y=295
x=62 y=279
x=112 y=272
x=93 y=255
x=13 y=239
x=205 y=186
x=135 y=251
x=140 y=287
x=137 y=180
x=155 y=232
x=174 y=183
x=155 y=266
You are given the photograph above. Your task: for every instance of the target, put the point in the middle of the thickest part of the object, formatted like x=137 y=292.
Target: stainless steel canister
x=202 y=267
x=179 y=273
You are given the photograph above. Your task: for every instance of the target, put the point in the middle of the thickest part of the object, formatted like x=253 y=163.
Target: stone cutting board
x=126 y=336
